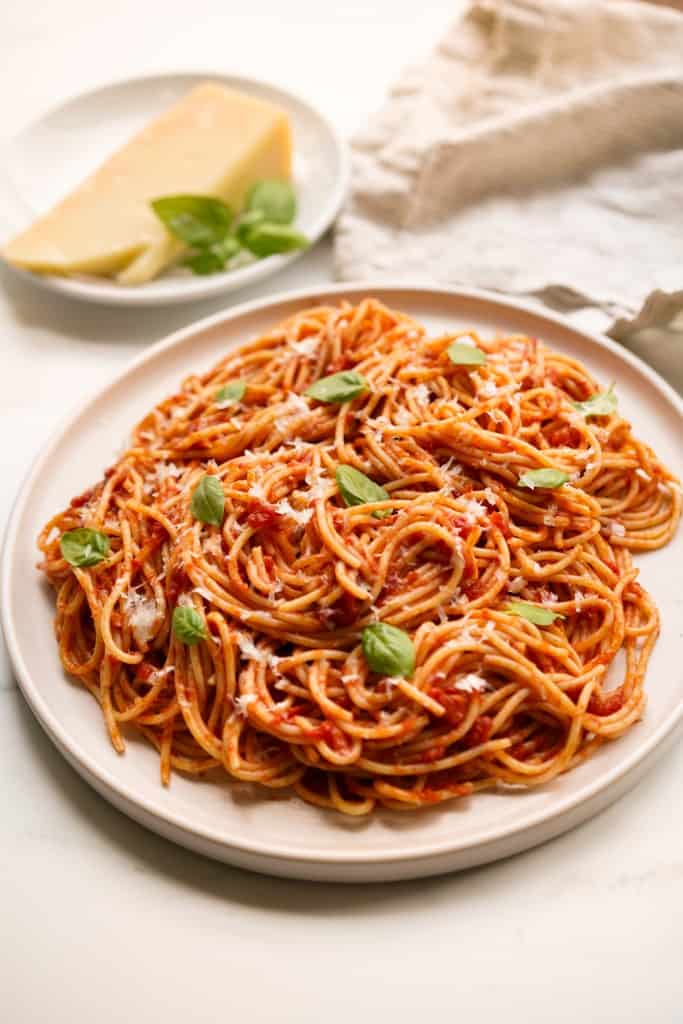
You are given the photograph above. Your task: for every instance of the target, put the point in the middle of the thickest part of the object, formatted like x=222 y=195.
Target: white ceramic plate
x=56 y=152
x=281 y=834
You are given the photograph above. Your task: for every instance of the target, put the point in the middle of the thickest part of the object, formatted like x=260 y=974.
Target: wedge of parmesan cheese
x=215 y=141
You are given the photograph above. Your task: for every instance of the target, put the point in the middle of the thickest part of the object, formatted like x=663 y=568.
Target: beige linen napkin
x=538 y=152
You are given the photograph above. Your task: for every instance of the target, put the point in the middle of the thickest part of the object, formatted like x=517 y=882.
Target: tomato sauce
x=263 y=516
x=480 y=732
x=606 y=703
x=497 y=520
x=343 y=613
x=455 y=703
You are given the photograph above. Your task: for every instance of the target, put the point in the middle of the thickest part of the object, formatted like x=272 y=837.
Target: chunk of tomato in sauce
x=263 y=516
x=480 y=732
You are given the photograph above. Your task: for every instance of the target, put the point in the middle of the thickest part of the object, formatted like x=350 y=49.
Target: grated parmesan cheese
x=298 y=445
x=318 y=483
x=242 y=703
x=212 y=545
x=257 y=490
x=298 y=403
x=617 y=529
x=295 y=407
x=306 y=347
x=300 y=516
x=159 y=673
x=488 y=389
x=164 y=470
x=143 y=616
x=452 y=468
x=475 y=510
x=472 y=683
x=249 y=650
x=422 y=394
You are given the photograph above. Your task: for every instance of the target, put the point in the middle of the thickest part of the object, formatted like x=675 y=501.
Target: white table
x=102 y=921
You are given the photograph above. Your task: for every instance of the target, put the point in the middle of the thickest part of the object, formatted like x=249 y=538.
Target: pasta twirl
x=503 y=497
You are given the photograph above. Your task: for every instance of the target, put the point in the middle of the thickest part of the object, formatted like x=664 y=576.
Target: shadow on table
x=35 y=306
x=147 y=852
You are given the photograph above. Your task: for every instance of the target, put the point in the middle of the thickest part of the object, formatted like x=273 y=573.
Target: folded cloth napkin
x=538 y=152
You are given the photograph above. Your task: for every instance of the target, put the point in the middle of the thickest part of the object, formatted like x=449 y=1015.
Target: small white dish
x=280 y=834
x=54 y=153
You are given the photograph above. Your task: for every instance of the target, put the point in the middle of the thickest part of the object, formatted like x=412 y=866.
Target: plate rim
x=123 y=796
x=214 y=285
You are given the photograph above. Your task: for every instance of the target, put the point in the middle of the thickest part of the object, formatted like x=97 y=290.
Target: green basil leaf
x=196 y=220
x=245 y=222
x=388 y=650
x=535 y=613
x=212 y=260
x=549 y=478
x=274 y=199
x=83 y=548
x=604 y=403
x=268 y=239
x=465 y=355
x=358 y=489
x=204 y=262
x=208 y=501
x=230 y=393
x=188 y=625
x=338 y=387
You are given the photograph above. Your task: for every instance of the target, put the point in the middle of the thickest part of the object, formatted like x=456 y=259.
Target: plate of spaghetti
x=323 y=560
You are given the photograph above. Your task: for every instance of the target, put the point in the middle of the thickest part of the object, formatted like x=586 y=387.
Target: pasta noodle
x=517 y=599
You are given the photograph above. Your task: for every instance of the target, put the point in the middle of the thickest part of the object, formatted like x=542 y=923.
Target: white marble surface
x=102 y=921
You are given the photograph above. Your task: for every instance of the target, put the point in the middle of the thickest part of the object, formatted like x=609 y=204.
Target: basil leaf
x=358 y=489
x=245 y=222
x=230 y=393
x=195 y=220
x=274 y=199
x=388 y=650
x=604 y=403
x=269 y=239
x=208 y=501
x=188 y=625
x=535 y=613
x=83 y=548
x=204 y=262
x=465 y=355
x=338 y=387
x=543 y=478
x=213 y=259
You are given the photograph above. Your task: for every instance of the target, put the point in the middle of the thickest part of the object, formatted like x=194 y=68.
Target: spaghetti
x=516 y=598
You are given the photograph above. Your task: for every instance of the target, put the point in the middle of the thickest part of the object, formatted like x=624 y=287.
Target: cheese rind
x=215 y=141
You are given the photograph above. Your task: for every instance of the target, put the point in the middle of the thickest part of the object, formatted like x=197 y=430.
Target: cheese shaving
x=472 y=683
